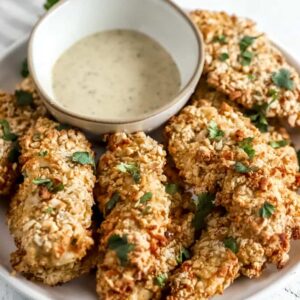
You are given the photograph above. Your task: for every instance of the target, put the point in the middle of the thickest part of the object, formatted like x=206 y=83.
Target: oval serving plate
x=84 y=287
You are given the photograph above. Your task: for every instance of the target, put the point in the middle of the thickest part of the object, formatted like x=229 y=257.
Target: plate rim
x=24 y=289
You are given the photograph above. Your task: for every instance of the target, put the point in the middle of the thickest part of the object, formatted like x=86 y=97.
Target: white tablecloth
x=280 y=18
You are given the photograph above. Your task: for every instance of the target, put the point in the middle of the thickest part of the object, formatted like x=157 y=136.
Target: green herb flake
x=251 y=77
x=7 y=134
x=112 y=202
x=121 y=246
x=43 y=153
x=223 y=56
x=204 y=206
x=14 y=153
x=258 y=115
x=50 y=3
x=220 y=39
x=230 y=243
x=57 y=188
x=246 y=42
x=298 y=157
x=41 y=181
x=172 y=188
x=23 y=98
x=24 y=70
x=160 y=280
x=145 y=198
x=279 y=144
x=183 y=255
x=246 y=145
x=241 y=168
x=283 y=79
x=246 y=58
x=49 y=210
x=132 y=169
x=214 y=132
x=48 y=183
x=83 y=158
x=272 y=93
x=61 y=127
x=267 y=210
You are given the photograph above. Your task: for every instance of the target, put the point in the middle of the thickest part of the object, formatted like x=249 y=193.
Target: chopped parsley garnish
x=246 y=145
x=112 y=202
x=223 y=56
x=14 y=153
x=214 y=132
x=23 y=98
x=204 y=206
x=246 y=42
x=41 y=181
x=7 y=134
x=183 y=255
x=220 y=39
x=132 y=169
x=145 y=198
x=121 y=246
x=279 y=144
x=43 y=153
x=49 y=184
x=83 y=158
x=172 y=188
x=160 y=280
x=251 y=76
x=283 y=79
x=61 y=127
x=246 y=58
x=49 y=210
x=272 y=93
x=230 y=243
x=258 y=115
x=267 y=210
x=55 y=188
x=50 y=3
x=24 y=70
x=241 y=168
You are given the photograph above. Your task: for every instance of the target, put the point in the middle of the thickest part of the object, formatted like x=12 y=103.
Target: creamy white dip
x=115 y=74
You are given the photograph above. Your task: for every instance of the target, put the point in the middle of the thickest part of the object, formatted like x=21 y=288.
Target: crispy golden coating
x=19 y=119
x=245 y=72
x=212 y=267
x=141 y=219
x=50 y=215
x=203 y=163
x=218 y=150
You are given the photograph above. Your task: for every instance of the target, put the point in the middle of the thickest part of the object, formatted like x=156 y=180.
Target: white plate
x=84 y=288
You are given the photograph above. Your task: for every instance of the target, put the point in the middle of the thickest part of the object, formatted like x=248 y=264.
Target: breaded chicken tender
x=18 y=112
x=242 y=63
x=252 y=175
x=140 y=241
x=212 y=268
x=50 y=215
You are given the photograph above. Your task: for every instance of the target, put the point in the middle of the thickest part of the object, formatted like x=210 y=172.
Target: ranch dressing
x=115 y=74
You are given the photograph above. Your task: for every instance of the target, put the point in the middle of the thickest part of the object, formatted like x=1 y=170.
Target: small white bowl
x=71 y=20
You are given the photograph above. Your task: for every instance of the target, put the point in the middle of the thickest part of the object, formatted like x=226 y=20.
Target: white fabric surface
x=280 y=18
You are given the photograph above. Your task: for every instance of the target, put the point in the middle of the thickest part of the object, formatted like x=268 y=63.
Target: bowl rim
x=184 y=90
